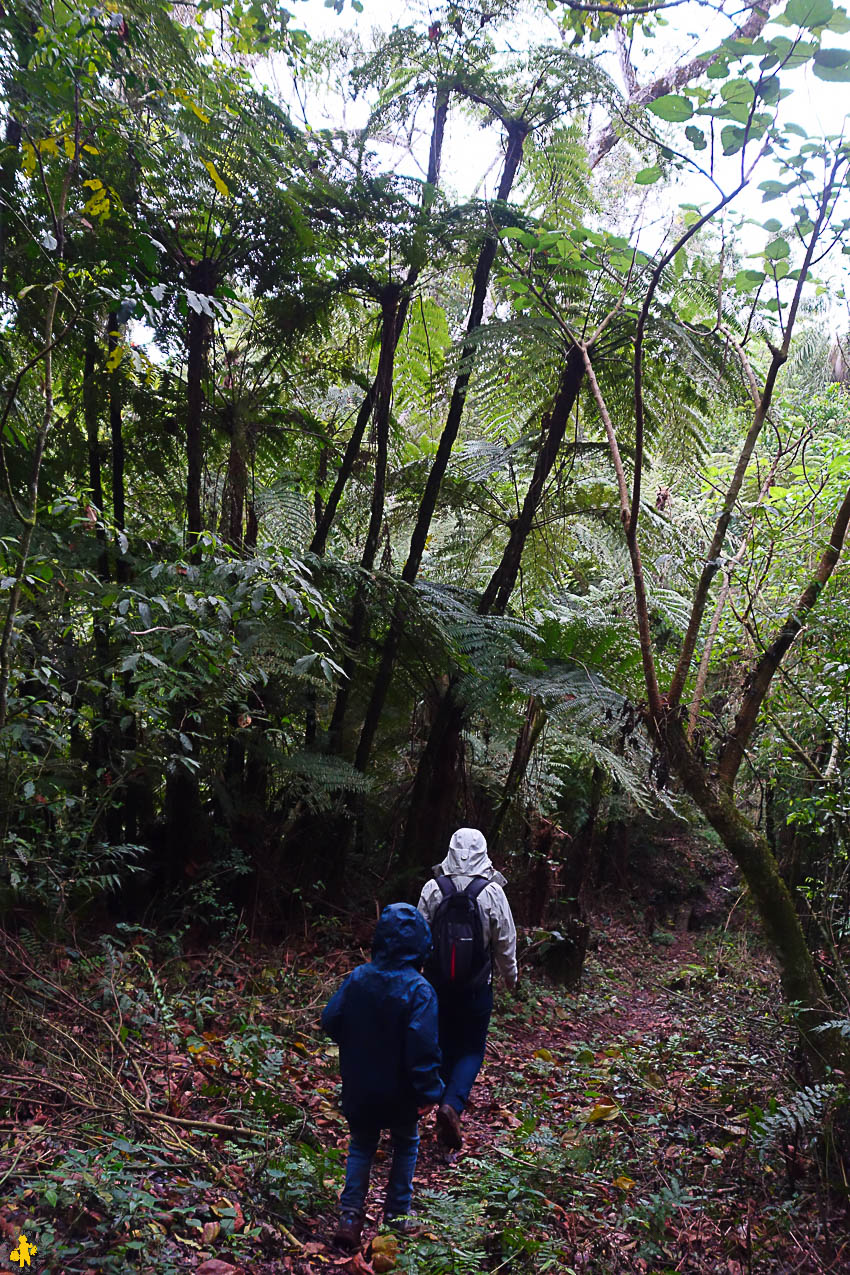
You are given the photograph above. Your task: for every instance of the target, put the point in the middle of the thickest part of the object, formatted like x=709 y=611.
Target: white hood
x=468 y=857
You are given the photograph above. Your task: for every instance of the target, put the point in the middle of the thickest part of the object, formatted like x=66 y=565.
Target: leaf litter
x=167 y=1113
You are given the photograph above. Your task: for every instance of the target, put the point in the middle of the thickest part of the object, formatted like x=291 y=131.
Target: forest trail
x=618 y=1113
x=615 y=1128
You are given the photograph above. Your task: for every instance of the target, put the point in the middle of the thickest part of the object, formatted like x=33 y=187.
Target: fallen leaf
x=384 y=1253
x=212 y=1266
x=601 y=1111
x=624 y=1183
x=544 y=1055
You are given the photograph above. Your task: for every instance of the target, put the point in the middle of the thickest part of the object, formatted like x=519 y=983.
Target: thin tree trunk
x=532 y=726
x=517 y=134
x=503 y=580
x=759 y=680
x=198 y=340
x=435 y=788
x=116 y=435
x=9 y=163
x=92 y=419
x=383 y=403
x=325 y=517
x=232 y=520
x=494 y=600
x=100 y=620
x=29 y=517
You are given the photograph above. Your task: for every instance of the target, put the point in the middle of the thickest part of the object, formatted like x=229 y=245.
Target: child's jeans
x=361 y=1151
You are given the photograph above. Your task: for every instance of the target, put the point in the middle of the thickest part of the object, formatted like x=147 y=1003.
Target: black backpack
x=460 y=960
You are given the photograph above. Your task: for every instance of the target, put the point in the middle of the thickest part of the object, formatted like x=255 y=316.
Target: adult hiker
x=472 y=926
x=384 y=1019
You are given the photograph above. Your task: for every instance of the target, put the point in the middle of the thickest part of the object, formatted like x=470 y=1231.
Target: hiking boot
x=448 y=1127
x=402 y=1224
x=349 y=1228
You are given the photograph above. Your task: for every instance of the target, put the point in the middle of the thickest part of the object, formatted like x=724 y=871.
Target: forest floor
x=164 y=1112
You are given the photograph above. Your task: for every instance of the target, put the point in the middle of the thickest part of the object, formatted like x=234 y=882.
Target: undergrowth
x=160 y=1109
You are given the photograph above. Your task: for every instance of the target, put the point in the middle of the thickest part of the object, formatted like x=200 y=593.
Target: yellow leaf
x=624 y=1183
x=28 y=163
x=220 y=186
x=602 y=1111
x=111 y=364
x=94 y=182
x=92 y=150
x=48 y=146
x=715 y=1152
x=193 y=106
x=544 y=1055
x=70 y=149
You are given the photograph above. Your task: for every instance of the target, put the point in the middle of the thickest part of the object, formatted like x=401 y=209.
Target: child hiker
x=384 y=1019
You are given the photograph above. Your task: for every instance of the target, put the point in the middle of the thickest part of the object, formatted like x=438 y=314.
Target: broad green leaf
x=808 y=13
x=737 y=91
x=732 y=138
x=749 y=280
x=696 y=137
x=839 y=22
x=832 y=64
x=777 y=250
x=672 y=107
x=647 y=176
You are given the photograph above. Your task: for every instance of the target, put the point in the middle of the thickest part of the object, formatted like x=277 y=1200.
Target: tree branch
x=675 y=77
x=759 y=680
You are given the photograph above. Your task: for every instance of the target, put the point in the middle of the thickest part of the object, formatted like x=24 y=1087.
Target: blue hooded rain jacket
x=384 y=1019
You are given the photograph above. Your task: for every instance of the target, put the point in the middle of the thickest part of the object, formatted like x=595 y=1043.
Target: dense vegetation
x=486 y=462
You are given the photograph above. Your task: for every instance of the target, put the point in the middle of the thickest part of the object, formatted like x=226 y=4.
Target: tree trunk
x=433 y=802
x=517 y=134
x=92 y=419
x=535 y=720
x=498 y=592
x=801 y=983
x=325 y=516
x=383 y=402
x=199 y=332
x=116 y=435
x=502 y=583
x=232 y=522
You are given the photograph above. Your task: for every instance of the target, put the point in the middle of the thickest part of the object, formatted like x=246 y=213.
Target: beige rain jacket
x=468 y=858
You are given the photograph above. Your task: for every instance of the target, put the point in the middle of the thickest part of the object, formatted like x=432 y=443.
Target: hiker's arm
x=421 y=1050
x=332 y=1013
x=428 y=899
x=503 y=935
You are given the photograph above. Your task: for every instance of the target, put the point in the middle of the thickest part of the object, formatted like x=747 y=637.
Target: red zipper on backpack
x=452 y=970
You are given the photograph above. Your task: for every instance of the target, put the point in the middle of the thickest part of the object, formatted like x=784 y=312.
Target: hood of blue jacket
x=402 y=937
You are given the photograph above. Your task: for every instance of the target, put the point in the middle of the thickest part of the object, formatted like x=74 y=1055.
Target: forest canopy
x=420 y=423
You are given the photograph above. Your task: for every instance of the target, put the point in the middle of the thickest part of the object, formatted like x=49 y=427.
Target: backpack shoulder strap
x=447 y=885
x=475 y=887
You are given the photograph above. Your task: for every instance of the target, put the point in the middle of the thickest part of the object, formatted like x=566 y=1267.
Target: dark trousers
x=463 y=1038
x=361 y=1152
